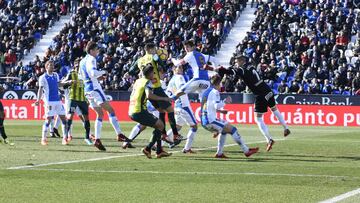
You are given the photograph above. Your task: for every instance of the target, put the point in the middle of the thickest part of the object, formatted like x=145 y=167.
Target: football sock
x=280 y=118
x=158 y=146
x=64 y=129
x=2 y=129
x=98 y=126
x=69 y=126
x=44 y=130
x=170 y=135
x=57 y=122
x=162 y=118
x=263 y=128
x=172 y=122
x=87 y=129
x=237 y=138
x=221 y=143
x=156 y=136
x=135 y=131
x=51 y=125
x=190 y=138
x=114 y=122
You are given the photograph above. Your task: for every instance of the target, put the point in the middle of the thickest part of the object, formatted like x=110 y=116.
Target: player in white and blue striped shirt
x=96 y=96
x=210 y=105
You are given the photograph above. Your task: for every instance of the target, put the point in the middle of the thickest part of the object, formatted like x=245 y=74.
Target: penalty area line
x=111 y=157
x=342 y=196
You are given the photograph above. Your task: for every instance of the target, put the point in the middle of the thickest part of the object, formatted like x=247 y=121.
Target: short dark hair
x=190 y=43
x=149 y=46
x=242 y=57
x=91 y=46
x=215 y=80
x=147 y=69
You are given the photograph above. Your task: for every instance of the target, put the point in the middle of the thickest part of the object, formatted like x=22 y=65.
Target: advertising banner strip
x=317 y=115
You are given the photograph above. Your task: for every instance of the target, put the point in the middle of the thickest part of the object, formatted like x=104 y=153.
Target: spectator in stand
x=283 y=87
x=294 y=87
x=10 y=59
x=2 y=60
x=21 y=23
x=327 y=88
x=356 y=84
x=305 y=40
x=121 y=28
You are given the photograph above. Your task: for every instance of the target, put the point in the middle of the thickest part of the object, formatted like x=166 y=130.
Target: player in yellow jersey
x=162 y=106
x=142 y=91
x=77 y=102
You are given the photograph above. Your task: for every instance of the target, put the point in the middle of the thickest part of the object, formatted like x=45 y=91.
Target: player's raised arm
x=150 y=95
x=134 y=68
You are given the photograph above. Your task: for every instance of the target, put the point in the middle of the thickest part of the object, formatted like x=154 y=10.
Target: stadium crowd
x=121 y=28
x=22 y=23
x=305 y=47
x=301 y=47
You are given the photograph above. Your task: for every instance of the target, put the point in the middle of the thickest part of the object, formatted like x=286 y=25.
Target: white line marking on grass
x=342 y=196
x=193 y=173
x=111 y=157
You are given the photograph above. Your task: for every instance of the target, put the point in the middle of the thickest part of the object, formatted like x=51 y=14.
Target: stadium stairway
x=46 y=40
x=237 y=34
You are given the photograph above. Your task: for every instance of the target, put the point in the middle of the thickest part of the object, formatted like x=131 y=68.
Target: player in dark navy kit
x=2 y=117
x=264 y=96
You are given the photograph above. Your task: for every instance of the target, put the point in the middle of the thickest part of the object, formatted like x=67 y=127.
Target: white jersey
x=50 y=85
x=210 y=103
x=89 y=73
x=197 y=61
x=175 y=84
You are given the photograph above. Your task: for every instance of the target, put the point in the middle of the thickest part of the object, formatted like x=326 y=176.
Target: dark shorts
x=83 y=106
x=263 y=102
x=1 y=106
x=160 y=104
x=144 y=118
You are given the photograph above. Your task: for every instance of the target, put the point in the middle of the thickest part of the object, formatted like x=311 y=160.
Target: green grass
x=313 y=164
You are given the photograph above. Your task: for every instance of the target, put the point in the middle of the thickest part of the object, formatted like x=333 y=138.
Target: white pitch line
x=109 y=157
x=193 y=173
x=342 y=196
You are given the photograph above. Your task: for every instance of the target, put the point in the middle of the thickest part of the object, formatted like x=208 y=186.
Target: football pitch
x=311 y=165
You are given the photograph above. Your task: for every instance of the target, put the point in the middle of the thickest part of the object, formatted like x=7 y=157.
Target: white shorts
x=184 y=116
x=67 y=109
x=53 y=109
x=155 y=113
x=195 y=85
x=95 y=98
x=216 y=126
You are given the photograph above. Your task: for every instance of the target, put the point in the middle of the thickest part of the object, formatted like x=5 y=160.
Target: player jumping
x=162 y=106
x=210 y=105
x=198 y=61
x=264 y=97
